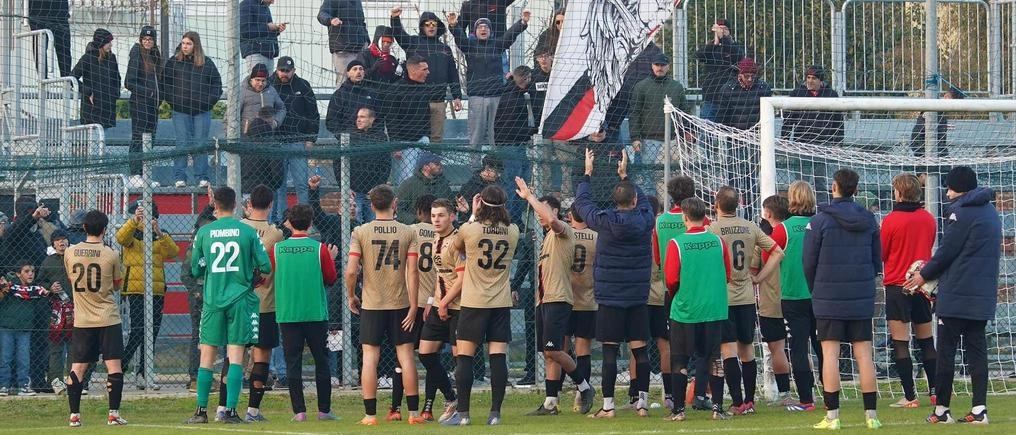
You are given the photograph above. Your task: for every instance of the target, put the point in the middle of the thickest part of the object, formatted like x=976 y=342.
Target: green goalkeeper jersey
x=229 y=254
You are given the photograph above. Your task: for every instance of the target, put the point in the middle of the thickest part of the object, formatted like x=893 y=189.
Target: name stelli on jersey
x=225 y=232
x=584 y=236
x=726 y=231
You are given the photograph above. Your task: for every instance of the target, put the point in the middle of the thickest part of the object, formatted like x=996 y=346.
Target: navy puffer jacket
x=966 y=262
x=842 y=256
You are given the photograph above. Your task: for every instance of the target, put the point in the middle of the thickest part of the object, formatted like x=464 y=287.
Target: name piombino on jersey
x=225 y=232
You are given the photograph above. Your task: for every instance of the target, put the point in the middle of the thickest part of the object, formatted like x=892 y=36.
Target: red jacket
x=908 y=234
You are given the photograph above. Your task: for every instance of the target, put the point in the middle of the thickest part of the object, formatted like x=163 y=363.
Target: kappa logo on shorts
x=549 y=344
x=255 y=323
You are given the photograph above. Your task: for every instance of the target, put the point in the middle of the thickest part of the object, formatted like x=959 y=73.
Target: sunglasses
x=430 y=24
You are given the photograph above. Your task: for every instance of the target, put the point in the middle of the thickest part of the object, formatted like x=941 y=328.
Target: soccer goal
x=810 y=138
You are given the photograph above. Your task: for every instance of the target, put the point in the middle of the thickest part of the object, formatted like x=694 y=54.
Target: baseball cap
x=286 y=64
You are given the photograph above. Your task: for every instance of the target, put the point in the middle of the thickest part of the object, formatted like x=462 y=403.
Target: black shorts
x=485 y=325
x=740 y=326
x=619 y=325
x=376 y=324
x=659 y=315
x=552 y=320
x=582 y=324
x=701 y=339
x=435 y=329
x=268 y=331
x=88 y=343
x=906 y=308
x=843 y=331
x=772 y=329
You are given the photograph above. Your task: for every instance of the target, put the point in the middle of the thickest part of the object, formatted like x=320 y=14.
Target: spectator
x=20 y=312
x=428 y=178
x=908 y=235
x=541 y=81
x=495 y=11
x=347 y=100
x=842 y=256
x=484 y=72
x=144 y=71
x=24 y=237
x=298 y=130
x=646 y=121
x=366 y=169
x=917 y=138
x=54 y=15
x=75 y=230
x=257 y=93
x=164 y=249
x=740 y=108
x=445 y=76
x=489 y=174
x=347 y=32
x=547 y=41
x=100 y=80
x=823 y=128
x=622 y=270
x=195 y=289
x=966 y=265
x=381 y=65
x=193 y=86
x=259 y=35
x=718 y=57
x=515 y=121
x=408 y=101
x=262 y=166
x=54 y=273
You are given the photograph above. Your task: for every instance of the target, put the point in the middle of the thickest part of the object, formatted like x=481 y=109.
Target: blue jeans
x=277 y=363
x=516 y=164
x=708 y=110
x=297 y=169
x=363 y=211
x=404 y=168
x=191 y=131
x=651 y=153
x=14 y=350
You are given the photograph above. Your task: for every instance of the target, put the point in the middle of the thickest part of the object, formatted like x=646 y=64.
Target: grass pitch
x=164 y=415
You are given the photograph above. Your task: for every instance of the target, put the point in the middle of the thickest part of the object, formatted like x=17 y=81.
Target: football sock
x=498 y=380
x=114 y=387
x=463 y=381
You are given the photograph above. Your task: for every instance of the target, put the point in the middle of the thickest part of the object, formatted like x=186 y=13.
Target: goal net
x=810 y=138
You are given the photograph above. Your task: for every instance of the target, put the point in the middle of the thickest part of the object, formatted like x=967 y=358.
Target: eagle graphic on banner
x=599 y=41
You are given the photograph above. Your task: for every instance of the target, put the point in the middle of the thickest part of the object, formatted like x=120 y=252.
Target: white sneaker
x=180 y=183
x=336 y=383
x=203 y=183
x=59 y=387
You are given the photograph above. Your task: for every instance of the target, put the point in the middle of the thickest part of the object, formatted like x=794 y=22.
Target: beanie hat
x=747 y=65
x=259 y=71
x=961 y=179
x=817 y=71
x=482 y=22
x=148 y=31
x=725 y=22
x=102 y=37
x=352 y=63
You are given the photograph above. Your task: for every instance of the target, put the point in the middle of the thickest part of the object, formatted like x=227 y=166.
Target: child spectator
x=260 y=167
x=18 y=308
x=61 y=320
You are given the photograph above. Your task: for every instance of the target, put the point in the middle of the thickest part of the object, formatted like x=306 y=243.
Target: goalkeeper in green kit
x=229 y=254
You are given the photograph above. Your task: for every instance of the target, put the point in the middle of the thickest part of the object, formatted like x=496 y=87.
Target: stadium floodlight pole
x=347 y=221
x=931 y=85
x=146 y=204
x=668 y=134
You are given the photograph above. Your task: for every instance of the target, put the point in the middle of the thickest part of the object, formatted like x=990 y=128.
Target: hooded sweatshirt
x=623 y=265
x=967 y=261
x=842 y=256
x=444 y=75
x=252 y=101
x=381 y=67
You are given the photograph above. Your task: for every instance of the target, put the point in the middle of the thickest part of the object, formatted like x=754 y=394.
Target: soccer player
x=770 y=312
x=582 y=326
x=554 y=301
x=908 y=234
x=231 y=258
x=622 y=270
x=443 y=313
x=304 y=268
x=740 y=238
x=696 y=271
x=795 y=295
x=488 y=241
x=668 y=226
x=842 y=257
x=388 y=251
x=258 y=208
x=95 y=272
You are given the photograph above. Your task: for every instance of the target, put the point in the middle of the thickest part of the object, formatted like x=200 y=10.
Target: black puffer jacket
x=719 y=63
x=444 y=75
x=351 y=35
x=144 y=87
x=100 y=86
x=191 y=89
x=739 y=106
x=345 y=102
x=814 y=126
x=302 y=116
